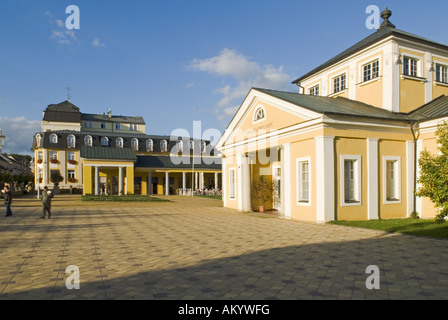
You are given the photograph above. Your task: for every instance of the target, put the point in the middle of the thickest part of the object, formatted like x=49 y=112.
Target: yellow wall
x=371 y=93
x=412 y=92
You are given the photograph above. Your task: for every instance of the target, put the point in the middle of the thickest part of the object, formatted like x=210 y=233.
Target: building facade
x=108 y=154
x=345 y=147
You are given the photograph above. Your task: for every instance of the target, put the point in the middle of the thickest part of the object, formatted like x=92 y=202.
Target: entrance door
x=276 y=178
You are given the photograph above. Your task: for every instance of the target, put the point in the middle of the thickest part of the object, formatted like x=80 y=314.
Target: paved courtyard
x=195 y=249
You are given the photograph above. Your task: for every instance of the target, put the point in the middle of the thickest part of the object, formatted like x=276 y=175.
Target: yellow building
x=107 y=154
x=346 y=146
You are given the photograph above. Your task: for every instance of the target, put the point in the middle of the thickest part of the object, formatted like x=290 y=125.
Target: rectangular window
x=441 y=73
x=133 y=127
x=232 y=184
x=304 y=181
x=410 y=67
x=71 y=174
x=103 y=125
x=53 y=155
x=88 y=124
x=314 y=91
x=340 y=83
x=350 y=180
x=371 y=71
x=391 y=179
x=117 y=126
x=71 y=156
x=40 y=155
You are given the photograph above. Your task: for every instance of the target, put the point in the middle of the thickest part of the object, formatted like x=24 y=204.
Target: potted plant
x=72 y=162
x=54 y=161
x=262 y=191
x=39 y=161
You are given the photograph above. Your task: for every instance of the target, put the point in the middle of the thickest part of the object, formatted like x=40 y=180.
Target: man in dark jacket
x=7 y=195
x=46 y=202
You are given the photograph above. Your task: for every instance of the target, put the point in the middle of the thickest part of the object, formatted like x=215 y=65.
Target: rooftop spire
x=386 y=14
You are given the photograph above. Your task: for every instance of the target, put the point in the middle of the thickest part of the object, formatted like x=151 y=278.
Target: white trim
x=419 y=200
x=372 y=179
x=105 y=165
x=325 y=177
x=358 y=181
x=260 y=106
x=410 y=166
x=361 y=70
x=286 y=179
x=299 y=200
x=234 y=185
x=397 y=179
x=224 y=182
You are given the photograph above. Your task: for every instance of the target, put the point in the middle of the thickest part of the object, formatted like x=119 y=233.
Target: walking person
x=46 y=202
x=7 y=195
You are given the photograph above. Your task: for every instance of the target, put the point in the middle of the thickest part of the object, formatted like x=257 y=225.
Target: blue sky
x=174 y=62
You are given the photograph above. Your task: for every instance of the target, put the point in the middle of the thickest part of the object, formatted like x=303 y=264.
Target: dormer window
x=203 y=147
x=149 y=145
x=103 y=125
x=259 y=114
x=133 y=127
x=71 y=141
x=119 y=143
x=38 y=140
x=104 y=142
x=340 y=83
x=180 y=146
x=53 y=138
x=117 y=126
x=88 y=141
x=163 y=146
x=134 y=144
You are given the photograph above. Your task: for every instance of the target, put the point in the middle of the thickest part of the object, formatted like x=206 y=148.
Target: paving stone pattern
x=193 y=249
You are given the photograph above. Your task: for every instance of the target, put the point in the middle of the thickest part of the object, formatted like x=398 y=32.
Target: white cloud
x=97 y=43
x=19 y=134
x=248 y=74
x=60 y=33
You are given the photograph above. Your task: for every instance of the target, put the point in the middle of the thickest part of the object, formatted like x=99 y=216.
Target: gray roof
x=379 y=35
x=438 y=108
x=62 y=112
x=106 y=118
x=165 y=162
x=108 y=153
x=335 y=106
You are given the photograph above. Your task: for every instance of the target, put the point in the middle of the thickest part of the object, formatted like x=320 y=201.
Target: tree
x=434 y=174
x=56 y=177
x=262 y=191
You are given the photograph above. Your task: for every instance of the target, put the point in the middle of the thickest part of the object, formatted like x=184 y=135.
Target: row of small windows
x=119 y=143
x=116 y=126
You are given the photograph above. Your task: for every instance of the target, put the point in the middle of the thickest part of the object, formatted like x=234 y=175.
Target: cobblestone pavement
x=194 y=249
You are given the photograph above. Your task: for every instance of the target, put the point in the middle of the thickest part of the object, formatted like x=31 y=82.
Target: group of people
x=45 y=197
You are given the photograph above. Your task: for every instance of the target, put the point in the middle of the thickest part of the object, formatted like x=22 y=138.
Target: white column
x=216 y=180
x=285 y=158
x=244 y=181
x=80 y=168
x=184 y=183
x=97 y=181
x=429 y=77
x=45 y=168
x=419 y=201
x=410 y=175
x=202 y=181
x=325 y=180
x=239 y=177
x=196 y=181
x=224 y=182
x=372 y=179
x=120 y=181
x=167 y=183
x=149 y=185
x=63 y=164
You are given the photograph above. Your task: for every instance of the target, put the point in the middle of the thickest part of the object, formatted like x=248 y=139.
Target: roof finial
x=386 y=14
x=68 y=93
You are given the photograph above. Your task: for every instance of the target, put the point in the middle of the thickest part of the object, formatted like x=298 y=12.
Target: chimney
x=110 y=113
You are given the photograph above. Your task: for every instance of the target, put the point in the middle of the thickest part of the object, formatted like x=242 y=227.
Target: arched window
x=104 y=141
x=38 y=140
x=134 y=144
x=163 y=146
x=53 y=138
x=191 y=144
x=88 y=141
x=180 y=146
x=119 y=143
x=260 y=114
x=203 y=146
x=149 y=145
x=71 y=141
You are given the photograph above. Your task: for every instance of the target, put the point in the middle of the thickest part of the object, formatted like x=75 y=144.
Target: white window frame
x=71 y=141
x=232 y=186
x=52 y=157
x=333 y=88
x=88 y=124
x=133 y=127
x=444 y=66
x=134 y=144
x=103 y=125
x=38 y=140
x=117 y=126
x=119 y=143
x=88 y=141
x=300 y=200
x=256 y=113
x=104 y=139
x=397 y=179
x=71 y=155
x=69 y=176
x=149 y=145
x=53 y=138
x=40 y=155
x=371 y=64
x=163 y=146
x=314 y=90
x=419 y=66
x=358 y=181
